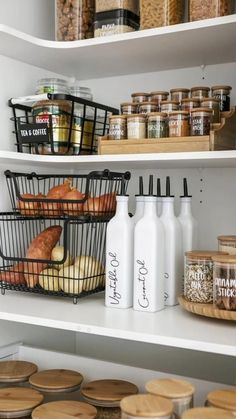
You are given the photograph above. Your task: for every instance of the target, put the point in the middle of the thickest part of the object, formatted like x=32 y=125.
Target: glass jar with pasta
x=156 y=13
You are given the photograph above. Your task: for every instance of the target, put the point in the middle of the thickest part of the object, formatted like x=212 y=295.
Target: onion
x=49 y=280
x=57 y=192
x=69 y=280
x=29 y=208
x=109 y=202
x=73 y=208
x=94 y=206
x=50 y=209
x=57 y=256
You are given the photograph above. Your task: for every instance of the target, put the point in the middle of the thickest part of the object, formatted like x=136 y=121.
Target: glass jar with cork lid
x=65 y=408
x=159 y=96
x=189 y=104
x=118 y=127
x=136 y=126
x=169 y=106
x=106 y=396
x=179 y=124
x=223 y=94
x=148 y=107
x=140 y=97
x=16 y=373
x=223 y=399
x=144 y=406
x=200 y=91
x=207 y=413
x=128 y=108
x=214 y=104
x=180 y=392
x=157 y=126
x=179 y=94
x=16 y=402
x=224 y=282
x=200 y=119
x=227 y=244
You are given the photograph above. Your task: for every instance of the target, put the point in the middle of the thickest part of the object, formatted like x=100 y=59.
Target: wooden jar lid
x=227 y=238
x=170 y=388
x=206 y=413
x=225 y=399
x=56 y=380
x=16 y=371
x=17 y=400
x=108 y=390
x=64 y=409
x=203 y=254
x=146 y=405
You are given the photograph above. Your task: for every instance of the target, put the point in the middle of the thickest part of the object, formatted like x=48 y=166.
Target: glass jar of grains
x=200 y=121
x=169 y=106
x=136 y=126
x=128 y=108
x=144 y=406
x=179 y=124
x=140 y=97
x=106 y=395
x=227 y=244
x=224 y=281
x=148 y=107
x=189 y=104
x=200 y=91
x=18 y=402
x=213 y=104
x=65 y=409
x=118 y=127
x=16 y=373
x=209 y=9
x=74 y=19
x=159 y=96
x=180 y=392
x=157 y=126
x=179 y=94
x=51 y=85
x=156 y=13
x=207 y=413
x=198 y=276
x=223 y=94
x=223 y=399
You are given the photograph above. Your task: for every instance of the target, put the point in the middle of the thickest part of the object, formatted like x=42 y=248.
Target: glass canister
x=207 y=413
x=57 y=384
x=144 y=406
x=136 y=126
x=118 y=127
x=16 y=372
x=224 y=285
x=107 y=5
x=206 y=9
x=179 y=94
x=67 y=409
x=227 y=244
x=213 y=104
x=169 y=106
x=74 y=19
x=156 y=13
x=140 y=97
x=157 y=126
x=128 y=108
x=189 y=104
x=200 y=121
x=198 y=276
x=51 y=85
x=18 y=402
x=148 y=107
x=106 y=395
x=180 y=392
x=223 y=94
x=115 y=22
x=179 y=124
x=223 y=399
x=159 y=96
x=200 y=92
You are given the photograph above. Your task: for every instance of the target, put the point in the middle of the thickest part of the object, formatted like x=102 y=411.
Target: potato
x=89 y=266
x=69 y=280
x=58 y=254
x=29 y=208
x=49 y=280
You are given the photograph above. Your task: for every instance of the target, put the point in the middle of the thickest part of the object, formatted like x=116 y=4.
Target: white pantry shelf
x=211 y=41
x=171 y=327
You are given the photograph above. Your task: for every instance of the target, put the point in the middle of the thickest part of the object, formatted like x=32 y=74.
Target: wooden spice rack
x=222 y=137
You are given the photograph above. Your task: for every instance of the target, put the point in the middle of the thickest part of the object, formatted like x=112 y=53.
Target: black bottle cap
x=168 y=195
x=150 y=188
x=159 y=188
x=185 y=185
x=140 y=187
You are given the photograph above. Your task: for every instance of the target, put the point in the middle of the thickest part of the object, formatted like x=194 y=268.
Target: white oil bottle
x=187 y=221
x=173 y=267
x=139 y=203
x=149 y=242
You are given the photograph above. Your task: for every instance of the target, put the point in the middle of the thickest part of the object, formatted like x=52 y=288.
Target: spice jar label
x=225 y=291
x=198 y=283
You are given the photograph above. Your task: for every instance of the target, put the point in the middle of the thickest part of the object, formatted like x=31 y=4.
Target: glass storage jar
x=189 y=104
x=198 y=276
x=128 y=108
x=157 y=126
x=67 y=409
x=223 y=399
x=213 y=104
x=207 y=413
x=169 y=106
x=16 y=372
x=144 y=406
x=18 y=402
x=206 y=9
x=74 y=19
x=180 y=392
x=179 y=94
x=115 y=22
x=57 y=384
x=118 y=127
x=224 y=284
x=179 y=124
x=106 y=395
x=200 y=92
x=223 y=94
x=200 y=121
x=136 y=126
x=148 y=107
x=159 y=96
x=51 y=85
x=156 y=13
x=140 y=97
x=106 y=5
x=227 y=244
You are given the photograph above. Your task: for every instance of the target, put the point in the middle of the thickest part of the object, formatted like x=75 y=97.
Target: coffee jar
x=16 y=373
x=136 y=126
x=68 y=409
x=224 y=283
x=223 y=399
x=118 y=127
x=144 y=406
x=223 y=94
x=207 y=413
x=16 y=402
x=157 y=126
x=227 y=244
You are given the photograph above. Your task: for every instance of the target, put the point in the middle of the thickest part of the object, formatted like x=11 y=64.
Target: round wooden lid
x=225 y=399
x=208 y=110
x=159 y=92
x=128 y=104
x=203 y=254
x=170 y=388
x=134 y=115
x=206 y=413
x=227 y=238
x=221 y=87
x=151 y=102
x=209 y=99
x=193 y=89
x=146 y=405
x=117 y=116
x=167 y=102
x=191 y=99
x=18 y=399
x=140 y=94
x=56 y=380
x=108 y=390
x=16 y=371
x=225 y=258
x=65 y=409
x=179 y=89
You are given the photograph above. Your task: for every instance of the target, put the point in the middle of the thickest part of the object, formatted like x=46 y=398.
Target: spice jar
x=200 y=92
x=140 y=97
x=74 y=19
x=198 y=276
x=179 y=124
x=157 y=125
x=148 y=107
x=106 y=395
x=224 y=284
x=207 y=413
x=51 y=85
x=156 y=13
x=57 y=384
x=223 y=94
x=67 y=409
x=118 y=127
x=209 y=9
x=189 y=104
x=180 y=392
x=179 y=94
x=16 y=372
x=159 y=96
x=169 y=106
x=128 y=108
x=136 y=126
x=18 y=402
x=213 y=104
x=227 y=244
x=223 y=399
x=200 y=121
x=144 y=406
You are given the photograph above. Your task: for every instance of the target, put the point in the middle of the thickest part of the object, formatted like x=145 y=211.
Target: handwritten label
x=114 y=263
x=143 y=300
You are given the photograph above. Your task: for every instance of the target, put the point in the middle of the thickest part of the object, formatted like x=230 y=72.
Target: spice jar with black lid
x=207 y=413
x=223 y=399
x=223 y=94
x=18 y=402
x=148 y=107
x=213 y=104
x=200 y=121
x=179 y=94
x=179 y=124
x=200 y=91
x=65 y=409
x=224 y=283
x=117 y=127
x=16 y=373
x=144 y=406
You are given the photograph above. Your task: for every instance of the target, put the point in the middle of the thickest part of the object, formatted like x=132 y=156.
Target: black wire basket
x=52 y=256
x=82 y=196
x=60 y=125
